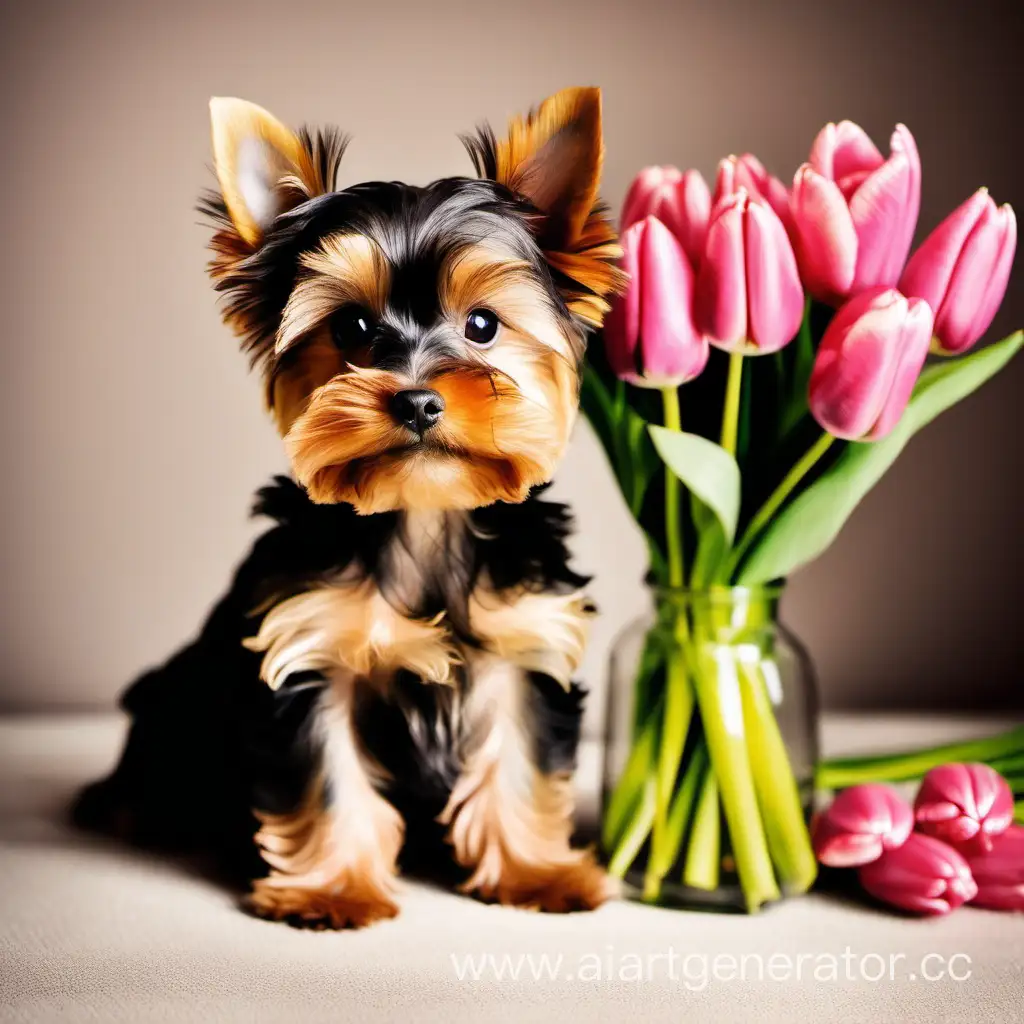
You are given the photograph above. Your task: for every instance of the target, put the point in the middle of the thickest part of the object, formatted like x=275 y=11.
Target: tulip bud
x=962 y=269
x=680 y=201
x=965 y=805
x=868 y=362
x=854 y=212
x=736 y=172
x=649 y=333
x=862 y=823
x=999 y=872
x=924 y=876
x=749 y=298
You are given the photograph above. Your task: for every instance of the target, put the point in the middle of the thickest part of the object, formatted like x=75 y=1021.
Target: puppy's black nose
x=418 y=409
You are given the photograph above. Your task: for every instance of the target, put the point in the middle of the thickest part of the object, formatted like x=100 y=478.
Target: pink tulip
x=965 y=805
x=680 y=201
x=854 y=211
x=962 y=269
x=749 y=296
x=999 y=872
x=736 y=172
x=923 y=875
x=862 y=823
x=649 y=334
x=868 y=362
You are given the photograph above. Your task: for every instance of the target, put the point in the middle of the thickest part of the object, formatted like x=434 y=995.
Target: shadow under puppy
x=392 y=666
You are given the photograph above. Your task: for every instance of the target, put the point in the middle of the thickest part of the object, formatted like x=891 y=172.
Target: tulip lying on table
x=861 y=824
x=956 y=846
x=964 y=804
x=803 y=301
x=999 y=872
x=924 y=876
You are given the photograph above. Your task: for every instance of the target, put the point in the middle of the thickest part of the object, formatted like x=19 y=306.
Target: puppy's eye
x=482 y=326
x=351 y=325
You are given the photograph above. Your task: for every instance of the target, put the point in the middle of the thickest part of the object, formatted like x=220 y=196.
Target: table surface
x=93 y=932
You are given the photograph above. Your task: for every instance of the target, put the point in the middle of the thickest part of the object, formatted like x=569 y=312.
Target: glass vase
x=711 y=745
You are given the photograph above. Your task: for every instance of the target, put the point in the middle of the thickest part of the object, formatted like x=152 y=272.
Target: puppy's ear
x=553 y=158
x=265 y=168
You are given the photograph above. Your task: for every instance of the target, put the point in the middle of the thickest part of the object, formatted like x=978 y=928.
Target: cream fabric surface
x=91 y=932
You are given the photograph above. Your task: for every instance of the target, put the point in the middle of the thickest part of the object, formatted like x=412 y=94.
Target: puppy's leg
x=510 y=813
x=333 y=859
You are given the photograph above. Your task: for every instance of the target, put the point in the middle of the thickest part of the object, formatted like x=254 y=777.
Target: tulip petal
x=687 y=211
x=911 y=353
x=826 y=240
x=754 y=173
x=650 y=180
x=848 y=850
x=856 y=364
x=844 y=149
x=1000 y=275
x=877 y=210
x=903 y=142
x=672 y=350
x=748 y=172
x=725 y=180
x=1000 y=897
x=964 y=804
x=923 y=876
x=862 y=822
x=622 y=324
x=930 y=269
x=721 y=308
x=775 y=296
x=941 y=810
x=999 y=872
x=778 y=199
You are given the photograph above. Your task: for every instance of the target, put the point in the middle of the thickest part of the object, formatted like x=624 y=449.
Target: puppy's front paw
x=318 y=909
x=581 y=884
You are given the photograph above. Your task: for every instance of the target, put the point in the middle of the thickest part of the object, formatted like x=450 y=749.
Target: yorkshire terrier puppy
x=391 y=672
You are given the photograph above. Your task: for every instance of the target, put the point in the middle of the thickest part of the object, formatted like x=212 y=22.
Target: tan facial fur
x=508 y=409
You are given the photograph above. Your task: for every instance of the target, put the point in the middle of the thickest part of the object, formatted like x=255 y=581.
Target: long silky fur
x=210 y=741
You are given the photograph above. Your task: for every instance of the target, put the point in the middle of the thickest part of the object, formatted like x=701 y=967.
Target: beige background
x=133 y=436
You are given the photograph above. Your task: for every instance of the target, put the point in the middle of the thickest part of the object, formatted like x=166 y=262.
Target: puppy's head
x=420 y=346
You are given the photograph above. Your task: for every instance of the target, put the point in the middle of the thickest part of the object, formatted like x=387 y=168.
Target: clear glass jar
x=710 y=747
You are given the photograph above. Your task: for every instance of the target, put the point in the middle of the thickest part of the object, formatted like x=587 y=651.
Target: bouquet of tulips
x=763 y=369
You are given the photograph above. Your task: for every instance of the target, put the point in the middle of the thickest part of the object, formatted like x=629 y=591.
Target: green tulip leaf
x=623 y=435
x=707 y=469
x=805 y=528
x=596 y=404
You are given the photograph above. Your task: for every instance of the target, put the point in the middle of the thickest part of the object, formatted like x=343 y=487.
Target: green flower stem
x=776 y=500
x=721 y=711
x=704 y=854
x=731 y=410
x=628 y=792
x=673 y=526
x=676 y=723
x=678 y=693
x=778 y=796
x=1018 y=812
x=665 y=848
x=838 y=773
x=636 y=833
